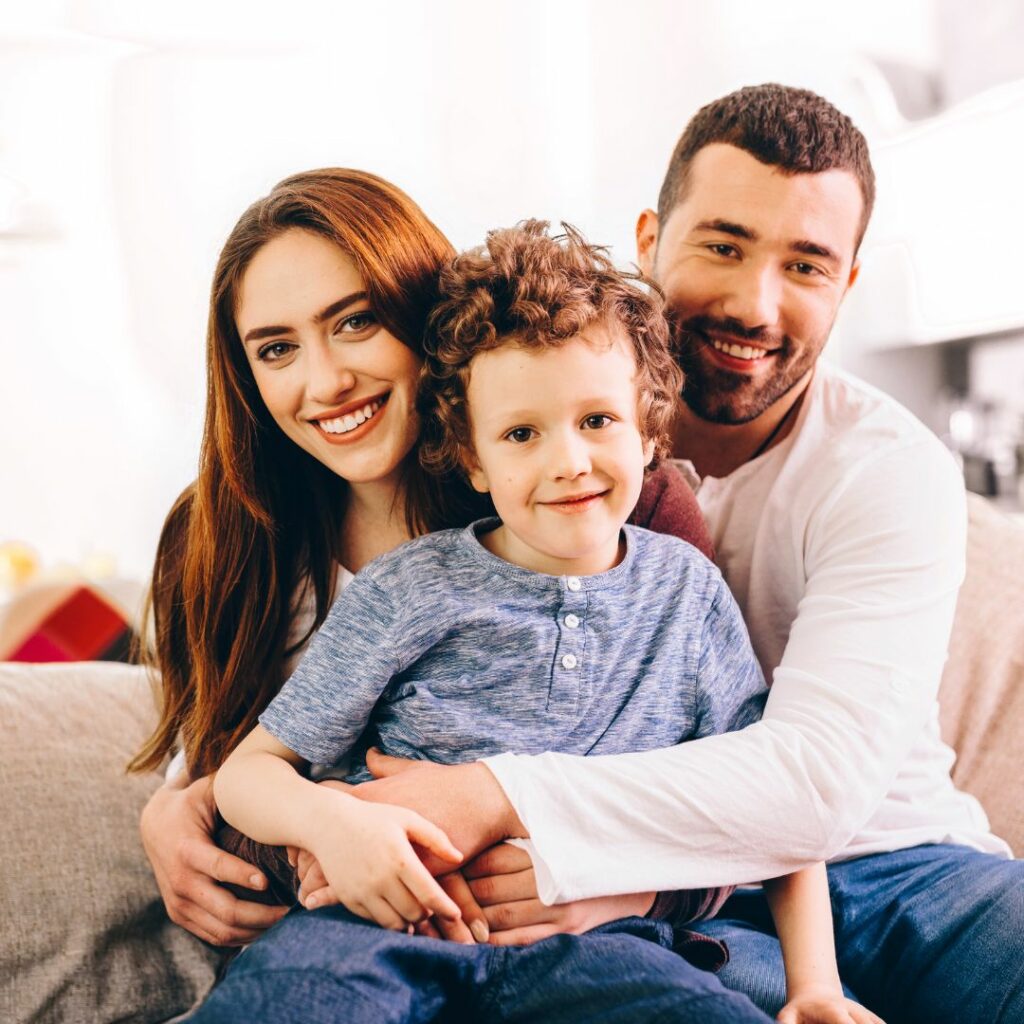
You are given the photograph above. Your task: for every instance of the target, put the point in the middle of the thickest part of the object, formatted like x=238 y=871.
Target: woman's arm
x=176 y=828
x=365 y=850
x=802 y=913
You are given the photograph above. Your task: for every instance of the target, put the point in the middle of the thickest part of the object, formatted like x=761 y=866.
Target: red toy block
x=83 y=627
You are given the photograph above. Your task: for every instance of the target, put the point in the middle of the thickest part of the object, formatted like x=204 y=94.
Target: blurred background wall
x=132 y=136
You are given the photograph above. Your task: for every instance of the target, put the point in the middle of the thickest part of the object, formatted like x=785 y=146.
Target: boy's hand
x=367 y=857
x=826 y=1006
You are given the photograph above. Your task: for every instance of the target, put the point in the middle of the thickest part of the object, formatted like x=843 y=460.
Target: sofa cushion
x=982 y=696
x=83 y=933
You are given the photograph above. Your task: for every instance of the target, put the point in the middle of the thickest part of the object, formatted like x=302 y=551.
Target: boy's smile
x=557 y=444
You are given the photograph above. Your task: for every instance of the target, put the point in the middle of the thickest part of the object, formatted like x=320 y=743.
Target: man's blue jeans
x=928 y=934
x=330 y=967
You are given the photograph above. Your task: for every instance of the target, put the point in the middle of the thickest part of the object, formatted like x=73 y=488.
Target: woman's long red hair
x=263 y=516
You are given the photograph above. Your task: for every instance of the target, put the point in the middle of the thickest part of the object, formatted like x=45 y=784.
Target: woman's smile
x=352 y=422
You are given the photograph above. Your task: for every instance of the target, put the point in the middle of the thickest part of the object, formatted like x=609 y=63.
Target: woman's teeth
x=351 y=420
x=738 y=351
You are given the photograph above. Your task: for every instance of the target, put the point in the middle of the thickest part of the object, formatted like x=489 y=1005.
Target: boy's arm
x=364 y=849
x=802 y=913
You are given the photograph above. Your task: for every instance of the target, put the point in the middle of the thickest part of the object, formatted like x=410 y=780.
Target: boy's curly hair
x=529 y=288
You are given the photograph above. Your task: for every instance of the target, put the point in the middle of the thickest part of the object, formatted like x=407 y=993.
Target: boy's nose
x=570 y=459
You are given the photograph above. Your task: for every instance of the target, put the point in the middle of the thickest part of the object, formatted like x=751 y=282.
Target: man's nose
x=754 y=296
x=328 y=375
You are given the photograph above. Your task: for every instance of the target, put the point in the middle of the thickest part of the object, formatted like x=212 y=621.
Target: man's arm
x=857 y=681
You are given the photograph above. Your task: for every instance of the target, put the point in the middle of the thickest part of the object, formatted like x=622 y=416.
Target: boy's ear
x=648 y=451
x=476 y=476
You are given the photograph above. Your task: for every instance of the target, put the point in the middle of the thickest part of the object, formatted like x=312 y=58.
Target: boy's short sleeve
x=730 y=685
x=324 y=706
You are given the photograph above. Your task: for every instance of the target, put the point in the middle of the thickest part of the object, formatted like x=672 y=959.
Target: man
x=839 y=523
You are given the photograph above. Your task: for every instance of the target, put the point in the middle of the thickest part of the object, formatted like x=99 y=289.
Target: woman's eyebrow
x=258 y=333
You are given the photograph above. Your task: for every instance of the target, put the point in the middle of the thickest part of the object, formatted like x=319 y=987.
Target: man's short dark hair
x=792 y=129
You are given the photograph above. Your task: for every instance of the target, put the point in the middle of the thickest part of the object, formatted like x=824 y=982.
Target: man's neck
x=718 y=449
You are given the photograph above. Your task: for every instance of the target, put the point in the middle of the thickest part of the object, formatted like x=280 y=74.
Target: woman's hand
x=827 y=1006
x=503 y=887
x=176 y=826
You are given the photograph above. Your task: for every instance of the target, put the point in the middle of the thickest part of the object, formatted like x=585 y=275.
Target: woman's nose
x=329 y=377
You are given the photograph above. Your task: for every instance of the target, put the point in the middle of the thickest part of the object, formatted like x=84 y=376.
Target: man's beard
x=725 y=396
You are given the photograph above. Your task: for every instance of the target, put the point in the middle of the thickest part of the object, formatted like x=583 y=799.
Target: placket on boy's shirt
x=569 y=668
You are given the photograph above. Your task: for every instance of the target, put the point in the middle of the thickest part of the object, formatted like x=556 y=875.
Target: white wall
x=142 y=131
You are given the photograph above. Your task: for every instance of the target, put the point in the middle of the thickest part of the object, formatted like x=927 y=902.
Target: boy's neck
x=509 y=548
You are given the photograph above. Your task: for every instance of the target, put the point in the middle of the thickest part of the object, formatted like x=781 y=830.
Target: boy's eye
x=596 y=422
x=519 y=435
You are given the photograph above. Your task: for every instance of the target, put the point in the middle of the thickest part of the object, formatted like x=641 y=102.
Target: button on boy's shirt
x=447 y=652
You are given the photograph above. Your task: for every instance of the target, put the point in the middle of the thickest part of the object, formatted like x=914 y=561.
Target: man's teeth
x=351 y=420
x=739 y=351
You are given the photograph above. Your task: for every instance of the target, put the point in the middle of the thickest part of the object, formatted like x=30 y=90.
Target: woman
x=308 y=463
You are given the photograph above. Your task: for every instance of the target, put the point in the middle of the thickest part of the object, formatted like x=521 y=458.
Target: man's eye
x=806 y=269
x=723 y=249
x=274 y=352
x=597 y=421
x=519 y=435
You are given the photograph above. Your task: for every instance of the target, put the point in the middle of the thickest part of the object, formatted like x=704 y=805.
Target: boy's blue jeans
x=330 y=967
x=931 y=933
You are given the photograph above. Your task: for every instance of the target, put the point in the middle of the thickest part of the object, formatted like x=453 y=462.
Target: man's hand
x=465 y=801
x=176 y=826
x=502 y=883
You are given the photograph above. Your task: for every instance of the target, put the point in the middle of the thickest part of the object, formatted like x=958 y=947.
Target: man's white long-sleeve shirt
x=844 y=546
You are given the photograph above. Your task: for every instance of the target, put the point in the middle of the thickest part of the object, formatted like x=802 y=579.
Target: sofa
x=83 y=935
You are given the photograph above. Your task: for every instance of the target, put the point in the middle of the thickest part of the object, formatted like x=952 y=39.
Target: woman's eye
x=274 y=352
x=597 y=421
x=519 y=435
x=357 y=322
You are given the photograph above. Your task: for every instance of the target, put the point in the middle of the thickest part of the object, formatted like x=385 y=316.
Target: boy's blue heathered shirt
x=447 y=652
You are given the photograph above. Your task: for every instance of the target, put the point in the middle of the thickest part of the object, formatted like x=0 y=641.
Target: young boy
x=553 y=627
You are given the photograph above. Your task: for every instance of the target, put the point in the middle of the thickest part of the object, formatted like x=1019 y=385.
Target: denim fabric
x=330 y=967
x=931 y=933
x=450 y=653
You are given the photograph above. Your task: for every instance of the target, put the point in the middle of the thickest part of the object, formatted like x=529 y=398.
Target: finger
x=427 y=929
x=343 y=787
x=229 y=909
x=384 y=914
x=862 y=1015
x=421 y=883
x=787 y=1015
x=322 y=897
x=502 y=859
x=315 y=879
x=293 y=856
x=521 y=914
x=206 y=858
x=383 y=765
x=216 y=931
x=493 y=889
x=454 y=931
x=473 y=924
x=524 y=936
x=404 y=903
x=430 y=837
